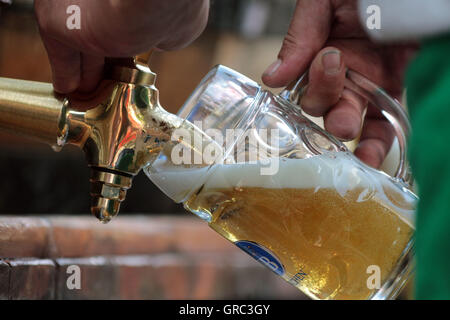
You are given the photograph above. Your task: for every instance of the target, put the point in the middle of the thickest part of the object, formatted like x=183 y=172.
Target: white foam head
x=339 y=171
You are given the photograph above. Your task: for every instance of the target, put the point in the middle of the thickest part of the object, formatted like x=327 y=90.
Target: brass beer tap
x=123 y=130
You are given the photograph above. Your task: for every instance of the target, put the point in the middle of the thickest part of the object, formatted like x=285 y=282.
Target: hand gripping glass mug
x=290 y=194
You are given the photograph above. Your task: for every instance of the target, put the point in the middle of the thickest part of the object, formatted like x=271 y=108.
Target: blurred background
x=242 y=34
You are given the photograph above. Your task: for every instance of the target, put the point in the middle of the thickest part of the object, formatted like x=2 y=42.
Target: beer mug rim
x=239 y=87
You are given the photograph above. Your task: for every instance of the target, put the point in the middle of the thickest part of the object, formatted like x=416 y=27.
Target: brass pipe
x=31 y=109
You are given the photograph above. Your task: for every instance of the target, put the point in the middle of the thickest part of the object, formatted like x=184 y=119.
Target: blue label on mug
x=263 y=255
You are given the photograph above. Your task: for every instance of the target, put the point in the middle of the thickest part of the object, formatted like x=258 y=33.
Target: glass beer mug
x=290 y=194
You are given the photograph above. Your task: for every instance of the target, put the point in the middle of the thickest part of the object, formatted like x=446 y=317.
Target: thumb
x=307 y=34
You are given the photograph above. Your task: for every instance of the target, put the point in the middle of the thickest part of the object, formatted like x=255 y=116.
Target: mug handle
x=389 y=107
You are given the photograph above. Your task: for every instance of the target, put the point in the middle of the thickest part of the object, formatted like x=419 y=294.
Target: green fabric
x=428 y=83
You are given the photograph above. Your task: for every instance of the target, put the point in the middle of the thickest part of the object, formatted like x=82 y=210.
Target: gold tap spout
x=123 y=130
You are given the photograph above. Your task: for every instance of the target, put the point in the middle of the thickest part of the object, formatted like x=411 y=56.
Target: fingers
x=91 y=72
x=326 y=82
x=65 y=60
x=66 y=65
x=71 y=70
x=342 y=108
x=375 y=143
x=307 y=34
x=344 y=119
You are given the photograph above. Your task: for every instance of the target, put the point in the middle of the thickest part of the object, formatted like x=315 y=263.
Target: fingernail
x=331 y=62
x=272 y=69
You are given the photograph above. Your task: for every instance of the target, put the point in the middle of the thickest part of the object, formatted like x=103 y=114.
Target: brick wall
x=134 y=257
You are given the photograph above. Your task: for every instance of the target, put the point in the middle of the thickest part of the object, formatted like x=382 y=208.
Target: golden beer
x=325 y=241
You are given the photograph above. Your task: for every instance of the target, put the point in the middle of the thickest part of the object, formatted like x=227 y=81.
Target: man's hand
x=112 y=28
x=326 y=36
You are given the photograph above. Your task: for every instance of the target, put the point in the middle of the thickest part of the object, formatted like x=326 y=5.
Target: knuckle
x=293 y=46
x=290 y=41
x=348 y=132
x=344 y=124
x=289 y=46
x=322 y=96
x=312 y=106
